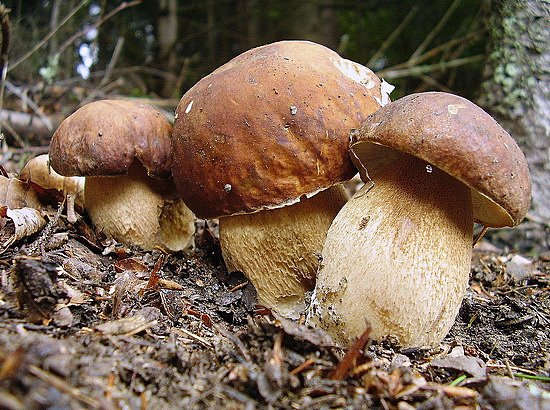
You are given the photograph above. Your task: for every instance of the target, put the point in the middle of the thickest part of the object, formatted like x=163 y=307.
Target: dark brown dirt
x=91 y=324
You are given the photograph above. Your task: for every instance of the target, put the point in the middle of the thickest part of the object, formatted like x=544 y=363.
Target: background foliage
x=165 y=46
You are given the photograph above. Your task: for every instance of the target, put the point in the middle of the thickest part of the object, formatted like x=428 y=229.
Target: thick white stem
x=140 y=210
x=278 y=249
x=397 y=256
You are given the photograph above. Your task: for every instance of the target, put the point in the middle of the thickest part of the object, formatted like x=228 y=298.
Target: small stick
x=303 y=366
x=520 y=369
x=236 y=341
x=63 y=387
x=184 y=332
x=351 y=355
x=239 y=286
x=480 y=235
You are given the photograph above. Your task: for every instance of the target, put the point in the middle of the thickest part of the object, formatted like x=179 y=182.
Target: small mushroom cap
x=268 y=127
x=458 y=137
x=105 y=137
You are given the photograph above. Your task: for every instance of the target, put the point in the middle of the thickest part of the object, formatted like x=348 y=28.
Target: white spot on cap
x=358 y=73
x=455 y=108
x=189 y=106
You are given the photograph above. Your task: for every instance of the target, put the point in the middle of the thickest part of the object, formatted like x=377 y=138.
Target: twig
x=15 y=90
x=301 y=367
x=434 y=83
x=4 y=51
x=520 y=369
x=351 y=355
x=389 y=41
x=510 y=372
x=185 y=332
x=480 y=235
x=54 y=21
x=63 y=387
x=239 y=286
x=140 y=328
x=235 y=340
x=41 y=43
x=424 y=69
x=13 y=133
x=414 y=56
x=23 y=122
x=112 y=61
x=98 y=23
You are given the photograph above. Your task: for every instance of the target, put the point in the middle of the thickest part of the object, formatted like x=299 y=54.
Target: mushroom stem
x=278 y=249
x=137 y=209
x=397 y=255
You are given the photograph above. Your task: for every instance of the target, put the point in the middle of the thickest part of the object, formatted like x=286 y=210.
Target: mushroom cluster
x=123 y=148
x=398 y=253
x=261 y=143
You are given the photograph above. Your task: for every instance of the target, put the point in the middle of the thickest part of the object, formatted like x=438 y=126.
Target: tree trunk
x=517 y=87
x=167 y=35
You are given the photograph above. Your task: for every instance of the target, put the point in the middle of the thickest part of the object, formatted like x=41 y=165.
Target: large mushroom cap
x=458 y=137
x=270 y=126
x=105 y=137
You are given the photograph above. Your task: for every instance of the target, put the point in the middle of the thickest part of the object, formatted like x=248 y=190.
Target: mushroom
x=261 y=143
x=38 y=170
x=398 y=254
x=123 y=150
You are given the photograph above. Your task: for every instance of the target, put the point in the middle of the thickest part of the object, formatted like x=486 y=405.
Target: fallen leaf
x=17 y=194
x=20 y=224
x=456 y=360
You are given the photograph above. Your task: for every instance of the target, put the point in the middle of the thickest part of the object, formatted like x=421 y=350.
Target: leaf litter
x=90 y=323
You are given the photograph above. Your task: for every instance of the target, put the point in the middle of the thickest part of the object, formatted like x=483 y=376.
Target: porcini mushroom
x=123 y=150
x=398 y=254
x=261 y=143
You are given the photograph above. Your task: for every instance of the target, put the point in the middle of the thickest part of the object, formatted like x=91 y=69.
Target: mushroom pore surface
x=397 y=256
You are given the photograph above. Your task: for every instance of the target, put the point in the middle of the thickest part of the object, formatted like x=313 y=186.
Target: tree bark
x=167 y=35
x=517 y=87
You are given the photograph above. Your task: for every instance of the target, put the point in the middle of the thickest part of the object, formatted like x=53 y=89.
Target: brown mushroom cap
x=105 y=137
x=269 y=126
x=458 y=137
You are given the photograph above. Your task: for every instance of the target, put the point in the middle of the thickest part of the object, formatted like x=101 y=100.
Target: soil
x=89 y=323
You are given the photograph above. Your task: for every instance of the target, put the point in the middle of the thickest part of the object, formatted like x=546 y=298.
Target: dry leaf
x=20 y=224
x=17 y=194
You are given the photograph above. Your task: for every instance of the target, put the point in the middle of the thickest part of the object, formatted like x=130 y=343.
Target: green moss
x=513 y=69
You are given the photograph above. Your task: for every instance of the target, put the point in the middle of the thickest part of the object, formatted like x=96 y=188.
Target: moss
x=512 y=70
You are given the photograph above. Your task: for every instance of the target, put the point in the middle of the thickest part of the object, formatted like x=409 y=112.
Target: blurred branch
x=474 y=35
x=54 y=22
x=416 y=54
x=429 y=68
x=24 y=123
x=99 y=22
x=4 y=51
x=395 y=33
x=41 y=43
x=108 y=72
x=15 y=90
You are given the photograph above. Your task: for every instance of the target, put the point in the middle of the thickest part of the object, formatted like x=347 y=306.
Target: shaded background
x=66 y=53
x=172 y=44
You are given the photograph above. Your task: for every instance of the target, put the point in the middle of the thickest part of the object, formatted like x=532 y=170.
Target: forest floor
x=88 y=323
